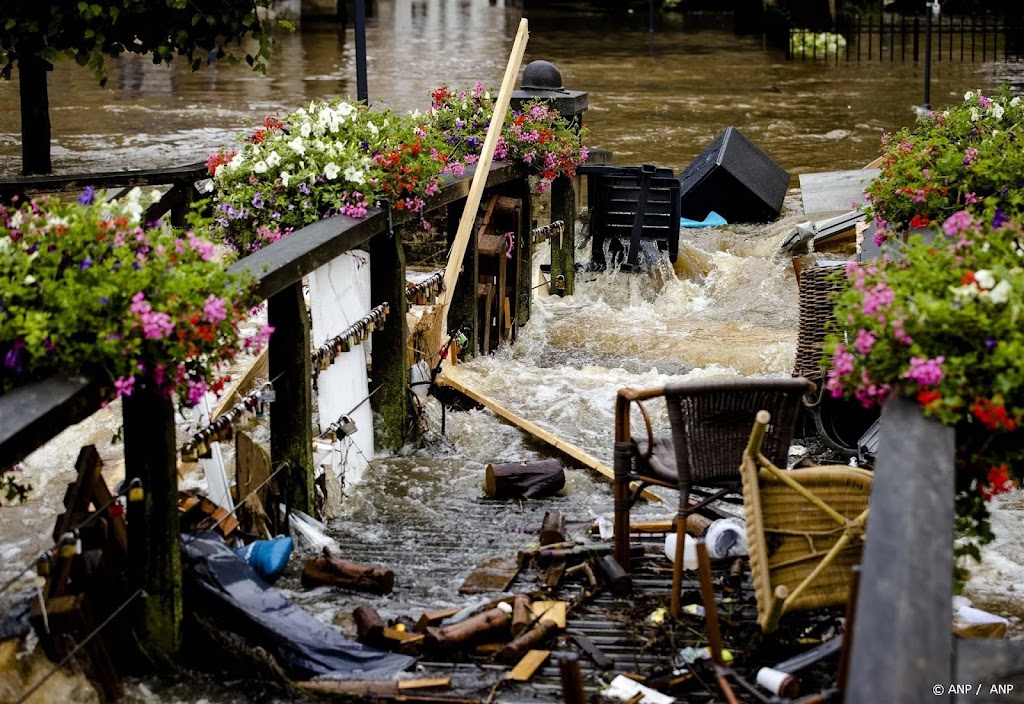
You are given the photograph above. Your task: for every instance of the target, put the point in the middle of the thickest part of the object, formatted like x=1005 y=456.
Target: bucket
x=689 y=551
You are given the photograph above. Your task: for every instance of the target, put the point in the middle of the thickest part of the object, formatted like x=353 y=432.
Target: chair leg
x=622 y=465
x=677 y=566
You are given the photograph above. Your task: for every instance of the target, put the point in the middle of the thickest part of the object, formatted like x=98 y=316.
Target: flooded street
x=728 y=307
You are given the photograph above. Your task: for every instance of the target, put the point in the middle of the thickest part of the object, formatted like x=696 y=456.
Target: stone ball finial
x=541 y=75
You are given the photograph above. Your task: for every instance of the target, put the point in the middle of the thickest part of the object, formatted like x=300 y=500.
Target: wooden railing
x=34 y=414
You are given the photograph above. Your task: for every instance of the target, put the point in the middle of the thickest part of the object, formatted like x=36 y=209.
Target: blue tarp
x=712 y=220
x=224 y=586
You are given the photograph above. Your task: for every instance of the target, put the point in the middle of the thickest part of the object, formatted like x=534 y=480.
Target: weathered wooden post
x=390 y=363
x=35 y=113
x=463 y=311
x=543 y=82
x=291 y=419
x=153 y=544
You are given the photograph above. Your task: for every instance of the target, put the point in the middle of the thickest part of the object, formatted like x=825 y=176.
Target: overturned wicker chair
x=710 y=422
x=805 y=530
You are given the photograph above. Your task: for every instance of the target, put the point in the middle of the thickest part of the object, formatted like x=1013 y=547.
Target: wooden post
x=563 y=253
x=390 y=364
x=525 y=252
x=150 y=456
x=463 y=310
x=291 y=422
x=35 y=113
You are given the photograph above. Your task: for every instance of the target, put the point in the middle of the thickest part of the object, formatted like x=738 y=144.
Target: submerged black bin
x=632 y=203
x=735 y=179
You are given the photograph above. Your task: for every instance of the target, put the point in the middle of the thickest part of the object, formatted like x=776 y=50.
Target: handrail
x=33 y=414
x=105 y=179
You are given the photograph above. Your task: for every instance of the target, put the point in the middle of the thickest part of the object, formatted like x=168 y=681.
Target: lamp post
x=362 y=92
x=930 y=8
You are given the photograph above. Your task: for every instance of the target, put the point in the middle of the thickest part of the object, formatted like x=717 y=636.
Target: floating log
x=369 y=625
x=524 y=480
x=522 y=615
x=328 y=569
x=490 y=622
x=525 y=641
x=552 y=529
x=618 y=580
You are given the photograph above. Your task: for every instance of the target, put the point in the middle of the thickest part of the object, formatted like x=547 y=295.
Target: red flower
x=919 y=221
x=998 y=482
x=993 y=415
x=967 y=279
x=927 y=397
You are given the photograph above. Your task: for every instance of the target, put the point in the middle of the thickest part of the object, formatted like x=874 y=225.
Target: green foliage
x=805 y=42
x=968 y=157
x=942 y=325
x=88 y=289
x=201 y=32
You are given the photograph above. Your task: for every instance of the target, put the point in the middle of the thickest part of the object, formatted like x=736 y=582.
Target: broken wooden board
x=449 y=377
x=494 y=574
x=556 y=611
x=531 y=662
x=834 y=191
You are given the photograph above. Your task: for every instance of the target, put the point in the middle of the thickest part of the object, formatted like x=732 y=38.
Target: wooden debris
x=528 y=665
x=369 y=625
x=551 y=576
x=586 y=570
x=380 y=688
x=618 y=580
x=433 y=618
x=601 y=661
x=490 y=622
x=199 y=513
x=524 y=480
x=494 y=574
x=331 y=570
x=401 y=640
x=552 y=611
x=552 y=529
x=522 y=614
x=526 y=641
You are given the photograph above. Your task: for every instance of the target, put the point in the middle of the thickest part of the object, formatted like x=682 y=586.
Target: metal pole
x=650 y=17
x=362 y=92
x=928 y=59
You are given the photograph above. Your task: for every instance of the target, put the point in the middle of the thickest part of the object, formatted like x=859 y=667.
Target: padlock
x=268 y=395
x=203 y=450
x=346 y=426
x=189 y=454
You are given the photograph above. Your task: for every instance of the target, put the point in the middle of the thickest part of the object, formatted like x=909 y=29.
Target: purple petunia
x=87 y=196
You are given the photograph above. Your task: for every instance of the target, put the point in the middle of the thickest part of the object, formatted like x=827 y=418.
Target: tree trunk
x=491 y=622
x=552 y=530
x=35 y=114
x=333 y=571
x=527 y=480
x=515 y=650
x=369 y=625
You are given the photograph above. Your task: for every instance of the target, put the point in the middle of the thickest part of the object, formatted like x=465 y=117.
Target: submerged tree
x=34 y=33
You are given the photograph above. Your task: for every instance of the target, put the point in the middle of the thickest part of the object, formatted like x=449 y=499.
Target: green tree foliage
x=201 y=31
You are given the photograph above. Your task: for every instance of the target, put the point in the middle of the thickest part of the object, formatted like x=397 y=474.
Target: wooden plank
x=903 y=640
x=448 y=377
x=834 y=190
x=531 y=662
x=105 y=179
x=425 y=683
x=556 y=611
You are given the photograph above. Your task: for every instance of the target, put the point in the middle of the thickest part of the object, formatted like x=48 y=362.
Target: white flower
x=997 y=111
x=373 y=128
x=29 y=280
x=985 y=278
x=967 y=291
x=331 y=171
x=273 y=159
x=297 y=146
x=285 y=177
x=975 y=114
x=415 y=114
x=1001 y=292
x=968 y=96
x=305 y=129
x=354 y=175
x=236 y=161
x=346 y=109
x=260 y=167
x=487 y=95
x=17 y=219
x=1015 y=102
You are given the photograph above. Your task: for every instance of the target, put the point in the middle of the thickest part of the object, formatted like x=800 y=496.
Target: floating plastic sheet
x=222 y=584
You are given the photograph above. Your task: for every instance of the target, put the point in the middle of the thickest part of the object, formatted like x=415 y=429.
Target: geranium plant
x=942 y=324
x=328 y=159
x=965 y=158
x=536 y=135
x=342 y=158
x=89 y=289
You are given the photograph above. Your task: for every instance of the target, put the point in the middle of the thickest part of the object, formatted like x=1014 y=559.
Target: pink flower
x=123 y=386
x=924 y=371
x=864 y=342
x=958 y=222
x=877 y=298
x=215 y=309
x=196 y=390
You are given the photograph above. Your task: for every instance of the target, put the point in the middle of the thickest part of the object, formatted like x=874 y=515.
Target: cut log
x=527 y=640
x=522 y=615
x=433 y=618
x=618 y=580
x=552 y=529
x=524 y=480
x=330 y=570
x=489 y=623
x=369 y=625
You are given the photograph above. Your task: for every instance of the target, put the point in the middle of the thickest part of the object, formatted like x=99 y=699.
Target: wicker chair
x=710 y=422
x=805 y=530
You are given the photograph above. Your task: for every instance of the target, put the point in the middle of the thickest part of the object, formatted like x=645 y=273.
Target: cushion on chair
x=661 y=464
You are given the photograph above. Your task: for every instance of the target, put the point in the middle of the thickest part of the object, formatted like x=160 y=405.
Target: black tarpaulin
x=228 y=589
